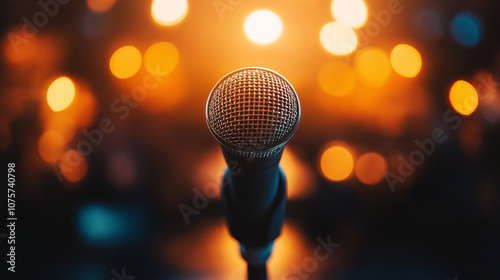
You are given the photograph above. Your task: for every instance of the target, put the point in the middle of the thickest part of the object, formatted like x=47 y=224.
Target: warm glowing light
x=373 y=67
x=300 y=179
x=161 y=58
x=338 y=38
x=370 y=168
x=336 y=163
x=100 y=6
x=73 y=165
x=169 y=12
x=351 y=12
x=263 y=27
x=209 y=249
x=51 y=146
x=463 y=97
x=60 y=94
x=63 y=125
x=125 y=62
x=337 y=78
x=406 y=60
x=84 y=113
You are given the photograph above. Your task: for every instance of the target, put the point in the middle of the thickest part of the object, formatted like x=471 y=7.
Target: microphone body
x=253 y=112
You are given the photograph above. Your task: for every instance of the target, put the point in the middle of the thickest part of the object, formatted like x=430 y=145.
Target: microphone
x=253 y=112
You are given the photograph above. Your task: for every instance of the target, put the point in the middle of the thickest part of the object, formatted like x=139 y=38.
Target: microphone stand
x=255 y=233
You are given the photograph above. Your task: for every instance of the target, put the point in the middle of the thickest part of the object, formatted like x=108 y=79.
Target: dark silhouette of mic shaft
x=253 y=112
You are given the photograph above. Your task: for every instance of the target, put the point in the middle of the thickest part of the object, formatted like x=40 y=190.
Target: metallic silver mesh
x=253 y=111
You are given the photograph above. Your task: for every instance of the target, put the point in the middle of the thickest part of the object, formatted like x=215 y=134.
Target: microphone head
x=253 y=112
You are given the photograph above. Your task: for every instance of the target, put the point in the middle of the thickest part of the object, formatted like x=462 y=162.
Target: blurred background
x=102 y=110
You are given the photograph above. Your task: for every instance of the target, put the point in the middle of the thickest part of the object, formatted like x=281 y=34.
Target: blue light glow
x=467 y=29
x=109 y=225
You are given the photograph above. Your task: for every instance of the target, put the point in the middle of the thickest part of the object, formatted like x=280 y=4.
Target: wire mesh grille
x=254 y=110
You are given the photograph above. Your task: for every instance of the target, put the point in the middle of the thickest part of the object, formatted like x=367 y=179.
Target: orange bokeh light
x=161 y=58
x=406 y=60
x=370 y=168
x=373 y=67
x=169 y=12
x=337 y=78
x=73 y=165
x=100 y=6
x=125 y=62
x=60 y=93
x=463 y=97
x=51 y=146
x=336 y=162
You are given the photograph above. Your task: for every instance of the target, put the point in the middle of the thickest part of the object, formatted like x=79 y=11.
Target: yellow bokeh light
x=336 y=163
x=338 y=38
x=337 y=78
x=351 y=12
x=125 y=62
x=406 y=60
x=51 y=146
x=370 y=168
x=60 y=94
x=263 y=27
x=73 y=165
x=463 y=97
x=373 y=67
x=169 y=12
x=161 y=58
x=100 y=6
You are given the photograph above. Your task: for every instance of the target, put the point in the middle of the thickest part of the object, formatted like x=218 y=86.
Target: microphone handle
x=257 y=272
x=253 y=184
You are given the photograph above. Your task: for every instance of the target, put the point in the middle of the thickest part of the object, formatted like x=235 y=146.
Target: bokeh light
x=370 y=168
x=83 y=109
x=209 y=249
x=336 y=162
x=373 y=67
x=105 y=224
x=100 y=6
x=337 y=78
x=72 y=165
x=463 y=97
x=169 y=12
x=467 y=29
x=300 y=178
x=63 y=125
x=263 y=27
x=351 y=12
x=161 y=58
x=406 y=60
x=51 y=146
x=125 y=62
x=486 y=85
x=60 y=94
x=338 y=38
x=299 y=175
